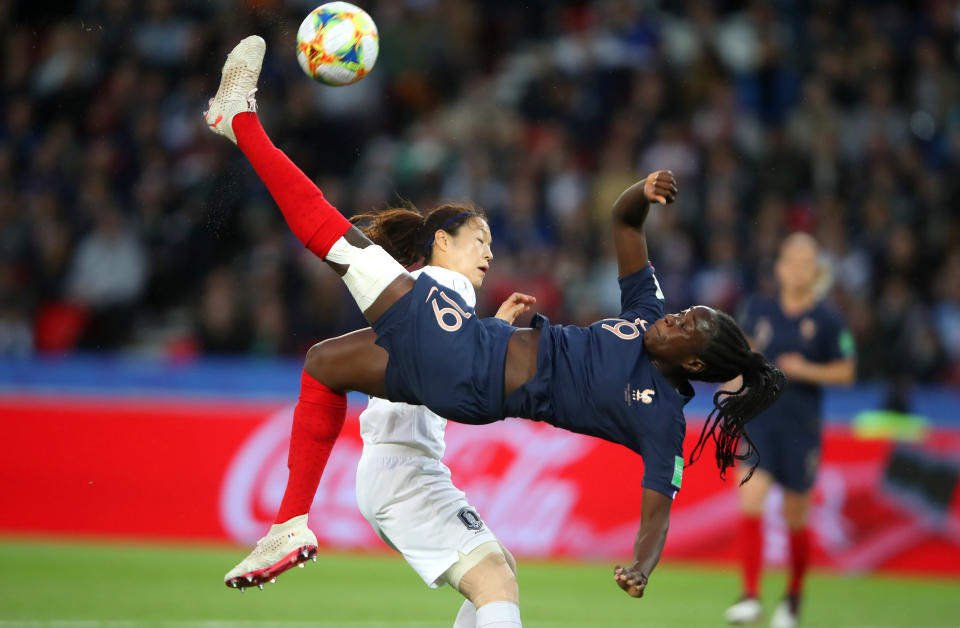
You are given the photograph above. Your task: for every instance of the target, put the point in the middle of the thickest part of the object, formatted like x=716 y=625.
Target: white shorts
x=411 y=502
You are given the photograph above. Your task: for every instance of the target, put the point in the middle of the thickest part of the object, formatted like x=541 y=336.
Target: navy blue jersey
x=819 y=334
x=599 y=380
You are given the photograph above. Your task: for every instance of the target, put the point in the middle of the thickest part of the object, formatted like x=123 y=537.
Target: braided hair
x=727 y=354
x=407 y=234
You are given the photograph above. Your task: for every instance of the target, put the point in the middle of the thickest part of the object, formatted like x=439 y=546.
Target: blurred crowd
x=125 y=225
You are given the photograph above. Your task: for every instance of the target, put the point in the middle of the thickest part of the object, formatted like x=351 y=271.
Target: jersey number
x=626 y=329
x=454 y=313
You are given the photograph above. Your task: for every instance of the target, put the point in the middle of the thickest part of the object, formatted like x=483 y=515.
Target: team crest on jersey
x=469 y=517
x=632 y=395
x=808 y=329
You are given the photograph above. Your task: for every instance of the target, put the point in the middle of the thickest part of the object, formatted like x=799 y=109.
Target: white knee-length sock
x=498 y=615
x=467 y=617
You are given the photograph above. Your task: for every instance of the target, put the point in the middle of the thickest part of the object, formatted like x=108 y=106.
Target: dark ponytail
x=407 y=234
x=726 y=356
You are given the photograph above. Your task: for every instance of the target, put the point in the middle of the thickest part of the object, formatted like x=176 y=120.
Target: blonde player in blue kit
x=808 y=339
x=624 y=379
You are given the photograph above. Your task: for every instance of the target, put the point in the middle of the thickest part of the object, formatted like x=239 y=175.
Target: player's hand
x=515 y=305
x=660 y=187
x=793 y=365
x=630 y=580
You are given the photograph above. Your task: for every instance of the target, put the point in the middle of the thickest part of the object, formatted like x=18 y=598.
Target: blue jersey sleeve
x=640 y=296
x=836 y=341
x=662 y=455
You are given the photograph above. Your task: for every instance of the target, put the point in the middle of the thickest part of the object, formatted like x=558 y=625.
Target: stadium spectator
x=840 y=118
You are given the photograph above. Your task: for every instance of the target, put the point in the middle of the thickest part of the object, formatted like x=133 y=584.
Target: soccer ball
x=337 y=44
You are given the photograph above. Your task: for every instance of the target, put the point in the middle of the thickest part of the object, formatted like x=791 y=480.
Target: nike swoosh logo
x=219 y=119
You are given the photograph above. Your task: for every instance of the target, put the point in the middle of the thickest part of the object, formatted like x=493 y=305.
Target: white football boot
x=746 y=611
x=786 y=615
x=286 y=545
x=238 y=84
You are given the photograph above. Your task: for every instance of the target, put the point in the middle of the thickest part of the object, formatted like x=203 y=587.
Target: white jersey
x=387 y=422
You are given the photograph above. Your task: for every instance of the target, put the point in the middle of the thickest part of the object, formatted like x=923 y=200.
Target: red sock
x=751 y=548
x=317 y=421
x=312 y=219
x=799 y=559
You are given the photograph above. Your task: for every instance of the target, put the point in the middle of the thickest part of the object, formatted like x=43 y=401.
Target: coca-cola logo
x=511 y=473
x=255 y=479
x=528 y=481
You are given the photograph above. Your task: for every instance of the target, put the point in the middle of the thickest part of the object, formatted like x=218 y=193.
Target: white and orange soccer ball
x=337 y=44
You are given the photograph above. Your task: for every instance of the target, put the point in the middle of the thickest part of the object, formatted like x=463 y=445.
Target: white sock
x=289 y=524
x=467 y=617
x=498 y=615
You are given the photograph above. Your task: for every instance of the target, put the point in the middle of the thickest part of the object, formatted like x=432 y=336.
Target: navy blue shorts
x=442 y=355
x=788 y=450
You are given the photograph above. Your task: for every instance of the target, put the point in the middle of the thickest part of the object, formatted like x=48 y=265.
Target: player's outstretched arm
x=630 y=212
x=654 y=521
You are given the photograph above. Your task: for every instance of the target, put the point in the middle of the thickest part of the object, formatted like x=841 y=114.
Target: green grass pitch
x=88 y=585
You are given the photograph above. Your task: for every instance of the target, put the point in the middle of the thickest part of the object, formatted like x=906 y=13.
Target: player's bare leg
x=488 y=579
x=350 y=362
x=492 y=589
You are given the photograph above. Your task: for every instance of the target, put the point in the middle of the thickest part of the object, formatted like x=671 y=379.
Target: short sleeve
x=837 y=341
x=640 y=295
x=663 y=459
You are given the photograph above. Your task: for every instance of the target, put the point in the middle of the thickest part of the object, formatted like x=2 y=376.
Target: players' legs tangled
x=368 y=271
x=487 y=577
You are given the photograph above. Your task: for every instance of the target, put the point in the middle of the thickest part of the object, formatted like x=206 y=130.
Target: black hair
x=407 y=234
x=727 y=354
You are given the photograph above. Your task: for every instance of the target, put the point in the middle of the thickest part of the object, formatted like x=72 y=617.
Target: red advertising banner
x=202 y=470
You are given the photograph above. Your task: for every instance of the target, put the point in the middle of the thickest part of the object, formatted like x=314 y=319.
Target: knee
x=795 y=509
x=491 y=580
x=751 y=502
x=319 y=363
x=487 y=579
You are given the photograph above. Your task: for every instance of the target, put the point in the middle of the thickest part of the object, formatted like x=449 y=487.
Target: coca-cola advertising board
x=215 y=470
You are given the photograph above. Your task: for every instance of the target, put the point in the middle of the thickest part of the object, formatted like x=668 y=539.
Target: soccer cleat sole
x=260 y=577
